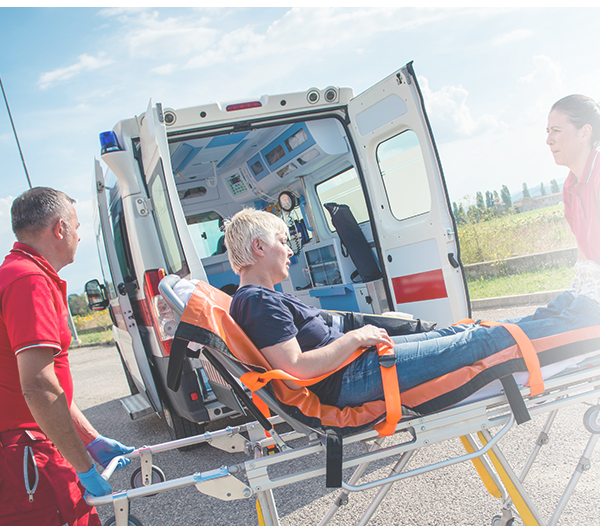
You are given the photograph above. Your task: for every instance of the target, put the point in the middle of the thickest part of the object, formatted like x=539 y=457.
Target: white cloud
x=150 y=36
x=85 y=63
x=513 y=36
x=449 y=110
x=540 y=89
x=314 y=30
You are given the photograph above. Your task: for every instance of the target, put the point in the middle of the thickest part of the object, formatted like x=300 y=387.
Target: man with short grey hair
x=45 y=440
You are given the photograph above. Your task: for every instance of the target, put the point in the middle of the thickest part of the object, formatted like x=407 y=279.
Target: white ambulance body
x=175 y=174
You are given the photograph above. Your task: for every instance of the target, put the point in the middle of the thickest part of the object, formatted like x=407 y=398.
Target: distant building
x=543 y=201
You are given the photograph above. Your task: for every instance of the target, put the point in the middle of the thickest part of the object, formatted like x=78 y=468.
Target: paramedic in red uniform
x=574 y=139
x=45 y=440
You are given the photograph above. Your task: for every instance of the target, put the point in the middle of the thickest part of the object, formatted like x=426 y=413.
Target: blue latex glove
x=103 y=450
x=94 y=483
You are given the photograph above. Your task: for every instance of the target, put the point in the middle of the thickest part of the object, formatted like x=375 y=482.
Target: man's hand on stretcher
x=288 y=356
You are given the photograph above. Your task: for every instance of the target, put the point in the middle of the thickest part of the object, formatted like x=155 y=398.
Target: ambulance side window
x=104 y=266
x=404 y=175
x=121 y=241
x=205 y=229
x=167 y=233
x=344 y=188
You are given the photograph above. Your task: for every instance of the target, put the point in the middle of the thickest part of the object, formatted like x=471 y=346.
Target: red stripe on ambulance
x=418 y=287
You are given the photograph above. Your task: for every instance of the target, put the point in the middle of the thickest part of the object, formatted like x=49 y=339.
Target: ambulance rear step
x=137 y=406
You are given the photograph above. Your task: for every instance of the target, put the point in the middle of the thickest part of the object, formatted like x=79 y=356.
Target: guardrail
x=555 y=258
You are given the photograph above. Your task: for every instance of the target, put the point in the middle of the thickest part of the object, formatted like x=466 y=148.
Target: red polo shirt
x=33 y=313
x=582 y=207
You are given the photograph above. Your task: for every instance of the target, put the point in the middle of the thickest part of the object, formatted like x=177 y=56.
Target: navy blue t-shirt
x=269 y=317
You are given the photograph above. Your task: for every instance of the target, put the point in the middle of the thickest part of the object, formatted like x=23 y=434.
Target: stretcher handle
x=112 y=465
x=165 y=288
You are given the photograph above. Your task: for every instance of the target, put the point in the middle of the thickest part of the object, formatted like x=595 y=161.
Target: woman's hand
x=370 y=336
x=289 y=357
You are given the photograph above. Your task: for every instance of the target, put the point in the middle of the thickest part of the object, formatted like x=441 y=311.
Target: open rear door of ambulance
x=130 y=342
x=178 y=249
x=415 y=232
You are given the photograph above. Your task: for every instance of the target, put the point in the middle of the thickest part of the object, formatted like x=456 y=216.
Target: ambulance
x=357 y=179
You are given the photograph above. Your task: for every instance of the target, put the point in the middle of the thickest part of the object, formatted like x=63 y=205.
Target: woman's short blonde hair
x=243 y=228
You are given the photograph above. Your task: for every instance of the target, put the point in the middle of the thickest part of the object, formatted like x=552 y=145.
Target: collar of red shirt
x=32 y=254
x=592 y=162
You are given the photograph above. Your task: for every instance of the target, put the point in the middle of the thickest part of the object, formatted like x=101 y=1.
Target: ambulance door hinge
x=159 y=111
x=408 y=73
x=143 y=206
x=127 y=287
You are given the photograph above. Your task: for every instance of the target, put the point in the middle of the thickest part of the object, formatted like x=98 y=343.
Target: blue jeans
x=425 y=356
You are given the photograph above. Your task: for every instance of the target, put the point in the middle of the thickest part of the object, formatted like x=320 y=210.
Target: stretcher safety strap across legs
x=536 y=380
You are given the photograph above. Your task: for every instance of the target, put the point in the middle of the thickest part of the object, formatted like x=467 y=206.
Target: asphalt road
x=452 y=496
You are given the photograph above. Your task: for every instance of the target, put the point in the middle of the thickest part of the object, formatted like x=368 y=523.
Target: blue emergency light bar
x=109 y=142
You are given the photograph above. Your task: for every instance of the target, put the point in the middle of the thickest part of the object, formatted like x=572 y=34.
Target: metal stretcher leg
x=483 y=468
x=342 y=498
x=266 y=509
x=583 y=465
x=383 y=491
x=541 y=441
x=515 y=489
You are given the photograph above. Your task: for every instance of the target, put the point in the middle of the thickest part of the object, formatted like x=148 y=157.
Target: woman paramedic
x=574 y=139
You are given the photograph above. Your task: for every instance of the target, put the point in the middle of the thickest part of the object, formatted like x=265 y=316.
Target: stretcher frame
x=479 y=425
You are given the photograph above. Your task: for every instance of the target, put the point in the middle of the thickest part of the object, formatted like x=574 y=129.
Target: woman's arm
x=289 y=357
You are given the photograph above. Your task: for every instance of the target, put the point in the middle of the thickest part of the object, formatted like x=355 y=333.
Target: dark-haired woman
x=574 y=139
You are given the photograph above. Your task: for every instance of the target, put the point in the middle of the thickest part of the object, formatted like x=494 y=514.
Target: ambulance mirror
x=95 y=293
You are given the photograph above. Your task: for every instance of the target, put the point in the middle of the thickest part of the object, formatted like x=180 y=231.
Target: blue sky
x=488 y=76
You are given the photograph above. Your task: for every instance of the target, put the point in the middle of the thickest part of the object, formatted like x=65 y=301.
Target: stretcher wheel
x=590 y=419
x=138 y=482
x=497 y=521
x=132 y=520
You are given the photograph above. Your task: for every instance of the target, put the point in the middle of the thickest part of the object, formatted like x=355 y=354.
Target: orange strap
x=532 y=361
x=391 y=392
x=255 y=381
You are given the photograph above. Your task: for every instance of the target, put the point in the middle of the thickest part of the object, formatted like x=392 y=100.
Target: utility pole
x=12 y=123
x=15 y=133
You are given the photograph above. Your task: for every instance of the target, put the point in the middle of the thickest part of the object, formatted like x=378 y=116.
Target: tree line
x=494 y=205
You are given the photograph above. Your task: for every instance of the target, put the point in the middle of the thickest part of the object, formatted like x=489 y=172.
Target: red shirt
x=582 y=207
x=33 y=313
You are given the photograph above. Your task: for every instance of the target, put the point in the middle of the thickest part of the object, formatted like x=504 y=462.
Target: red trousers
x=58 y=497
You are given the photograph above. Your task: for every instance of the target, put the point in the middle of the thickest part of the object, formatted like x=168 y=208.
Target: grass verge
x=95 y=336
x=542 y=279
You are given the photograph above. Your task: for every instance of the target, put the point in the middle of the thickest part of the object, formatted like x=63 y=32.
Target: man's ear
x=59 y=228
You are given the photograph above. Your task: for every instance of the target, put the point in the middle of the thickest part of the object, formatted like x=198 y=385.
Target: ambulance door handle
x=452 y=260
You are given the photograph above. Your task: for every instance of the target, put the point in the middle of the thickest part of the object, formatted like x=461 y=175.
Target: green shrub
x=515 y=235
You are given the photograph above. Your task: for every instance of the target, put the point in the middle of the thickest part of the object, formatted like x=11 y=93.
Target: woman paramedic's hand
x=103 y=450
x=93 y=483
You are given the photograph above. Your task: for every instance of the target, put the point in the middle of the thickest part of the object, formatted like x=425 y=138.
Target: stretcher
x=271 y=444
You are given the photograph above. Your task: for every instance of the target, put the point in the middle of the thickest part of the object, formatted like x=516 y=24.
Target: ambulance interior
x=292 y=170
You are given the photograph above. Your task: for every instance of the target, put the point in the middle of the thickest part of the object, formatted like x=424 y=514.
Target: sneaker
x=575 y=286
x=590 y=280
